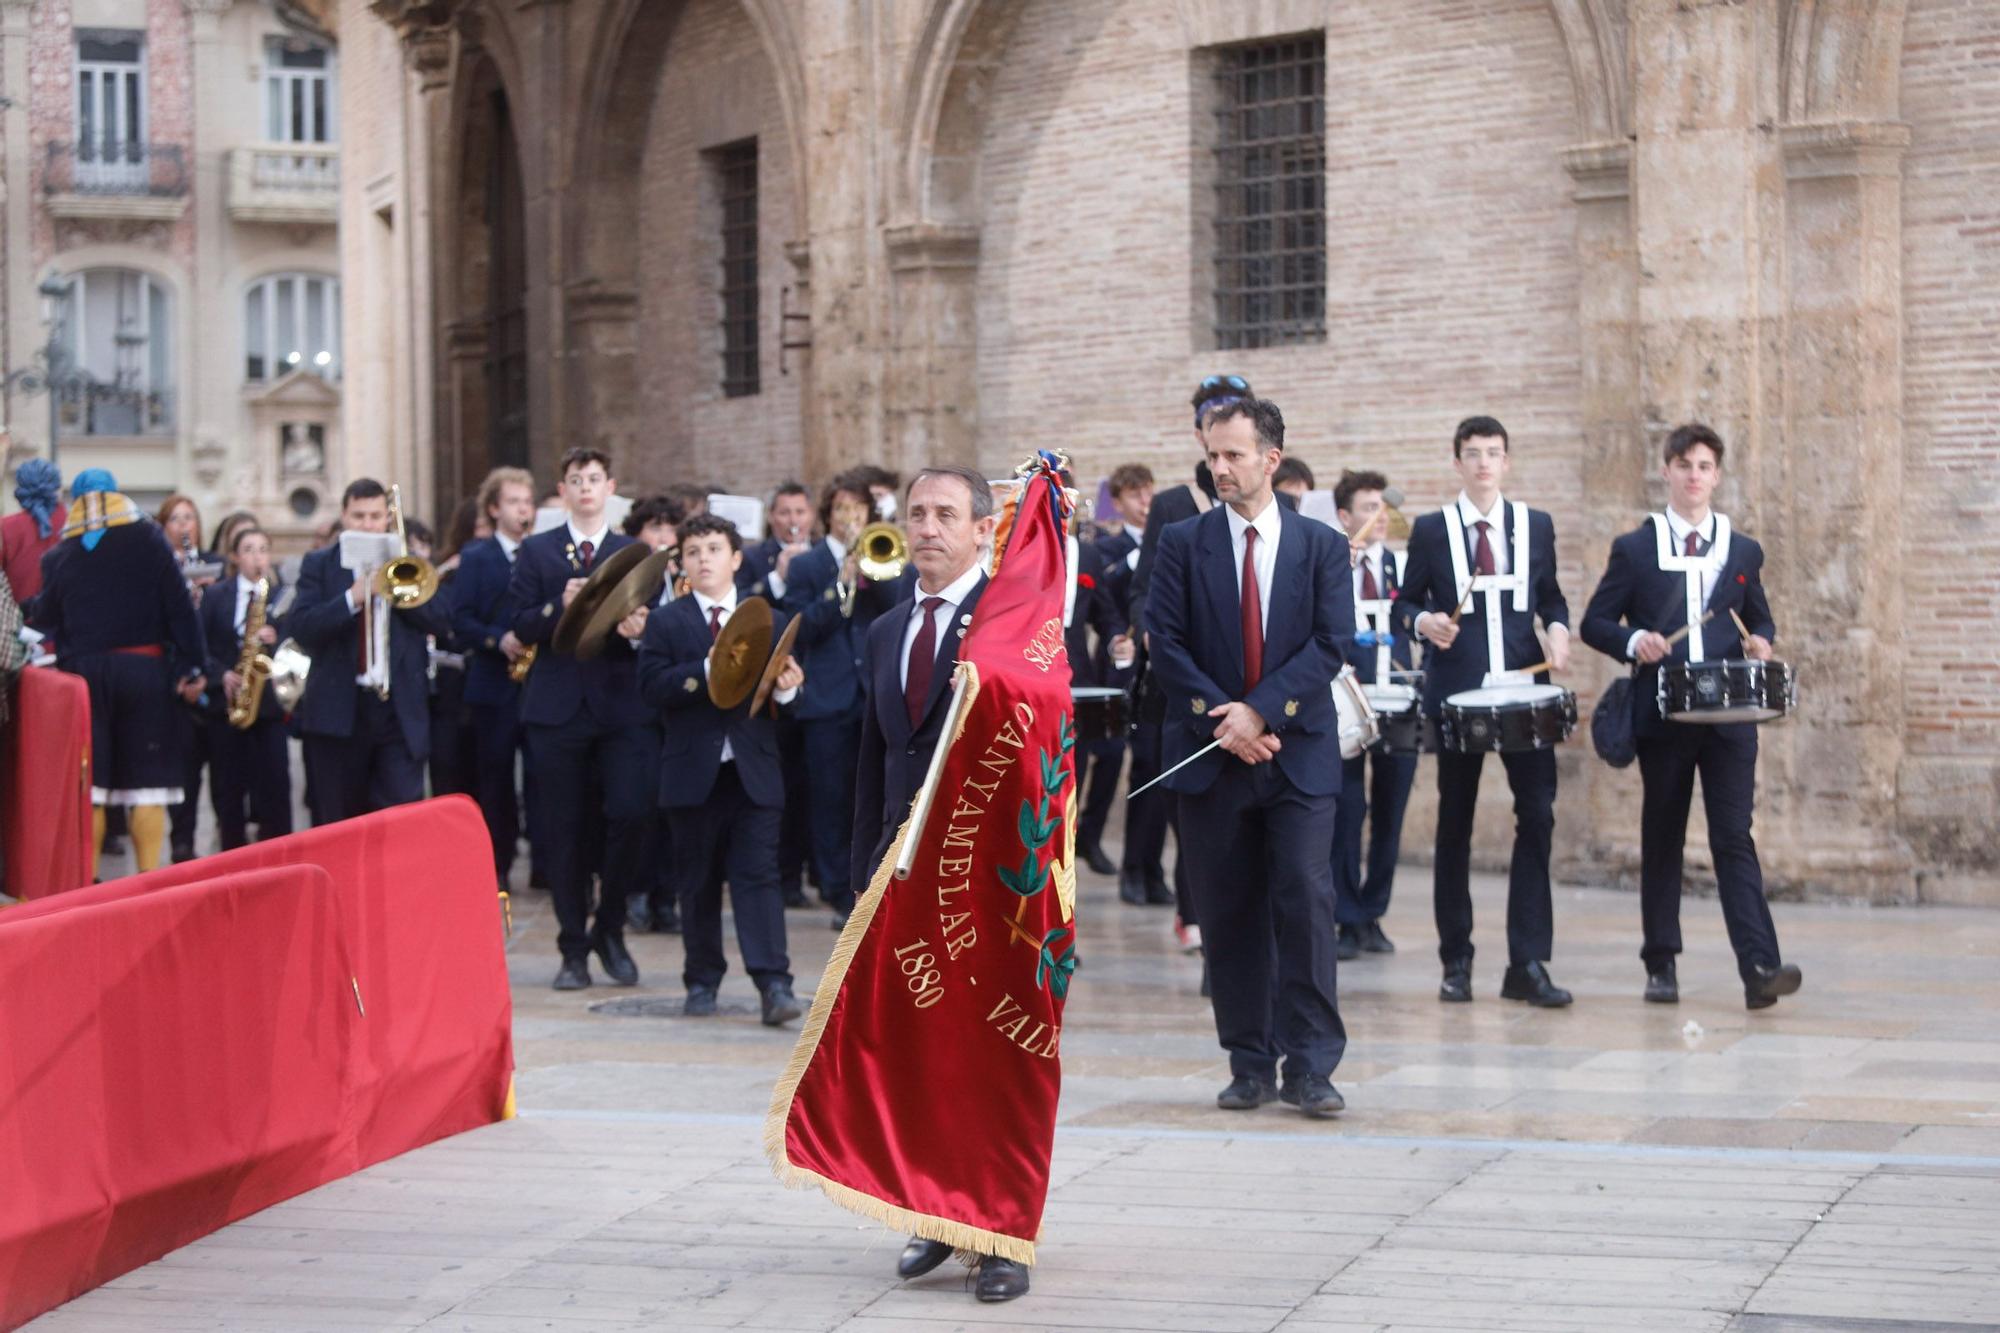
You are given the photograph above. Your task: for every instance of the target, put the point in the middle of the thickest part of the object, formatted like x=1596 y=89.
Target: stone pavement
x=1831 y=1165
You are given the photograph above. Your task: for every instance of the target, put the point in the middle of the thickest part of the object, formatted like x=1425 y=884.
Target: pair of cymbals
x=742 y=664
x=621 y=583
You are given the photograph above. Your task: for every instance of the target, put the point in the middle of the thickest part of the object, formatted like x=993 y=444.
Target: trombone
x=404 y=581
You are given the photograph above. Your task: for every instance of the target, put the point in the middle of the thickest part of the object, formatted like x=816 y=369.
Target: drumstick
x=1682 y=632
x=1463 y=602
x=1741 y=628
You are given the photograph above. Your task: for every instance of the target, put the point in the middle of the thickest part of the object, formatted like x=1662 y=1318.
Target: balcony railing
x=145 y=181
x=98 y=408
x=285 y=182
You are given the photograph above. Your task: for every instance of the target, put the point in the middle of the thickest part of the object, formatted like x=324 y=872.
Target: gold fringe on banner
x=948 y=1231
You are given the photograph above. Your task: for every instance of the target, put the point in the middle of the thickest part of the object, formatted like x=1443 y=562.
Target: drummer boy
x=1476 y=577
x=720 y=781
x=1689 y=566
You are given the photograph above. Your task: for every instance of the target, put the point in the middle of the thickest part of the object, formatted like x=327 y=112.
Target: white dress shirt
x=1496 y=535
x=1678 y=529
x=245 y=590
x=508 y=545
x=1268 y=528
x=596 y=540
x=1371 y=560
x=1138 y=536
x=942 y=619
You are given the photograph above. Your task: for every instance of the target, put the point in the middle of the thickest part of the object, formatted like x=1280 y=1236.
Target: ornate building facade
x=736 y=240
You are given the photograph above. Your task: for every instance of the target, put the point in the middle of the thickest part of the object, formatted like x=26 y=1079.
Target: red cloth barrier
x=169 y=1062
x=45 y=785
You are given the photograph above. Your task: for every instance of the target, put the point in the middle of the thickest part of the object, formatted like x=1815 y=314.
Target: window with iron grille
x=735 y=174
x=1269 y=240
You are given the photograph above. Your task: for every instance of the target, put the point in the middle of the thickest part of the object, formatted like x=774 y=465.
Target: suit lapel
x=949 y=642
x=1216 y=560
x=1287 y=595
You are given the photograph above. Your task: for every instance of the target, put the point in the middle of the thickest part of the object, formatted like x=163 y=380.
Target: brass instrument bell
x=883 y=551
x=404 y=581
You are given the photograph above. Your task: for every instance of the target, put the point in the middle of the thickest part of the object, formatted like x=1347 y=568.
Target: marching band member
x=1483 y=535
x=1250 y=613
x=180 y=520
x=366 y=722
x=719 y=782
x=115 y=603
x=588 y=732
x=249 y=768
x=1292 y=478
x=790 y=516
x=483 y=619
x=651 y=903
x=1660 y=578
x=1378 y=649
x=1117 y=550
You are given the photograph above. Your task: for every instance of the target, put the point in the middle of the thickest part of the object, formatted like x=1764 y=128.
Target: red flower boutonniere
x=1394 y=593
x=1741 y=579
x=1085 y=581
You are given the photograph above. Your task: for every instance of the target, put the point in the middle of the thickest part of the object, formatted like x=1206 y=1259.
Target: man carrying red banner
x=923 y=1090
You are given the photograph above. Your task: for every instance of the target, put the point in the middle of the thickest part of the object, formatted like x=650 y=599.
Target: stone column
x=931 y=388
x=23 y=420
x=211 y=399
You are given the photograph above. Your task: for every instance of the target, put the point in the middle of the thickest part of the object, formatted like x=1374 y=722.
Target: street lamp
x=53 y=372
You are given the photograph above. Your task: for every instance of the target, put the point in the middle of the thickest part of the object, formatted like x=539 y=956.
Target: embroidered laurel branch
x=1038 y=820
x=1053 y=970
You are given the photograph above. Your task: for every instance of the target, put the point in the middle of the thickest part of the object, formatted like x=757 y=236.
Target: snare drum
x=1733 y=690
x=1400 y=723
x=1356 y=717
x=1507 y=718
x=1102 y=712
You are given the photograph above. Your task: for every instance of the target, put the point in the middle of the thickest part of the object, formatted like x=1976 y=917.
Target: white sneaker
x=1188 y=935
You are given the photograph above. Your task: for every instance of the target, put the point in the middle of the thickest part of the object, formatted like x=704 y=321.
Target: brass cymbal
x=767 y=686
x=737 y=660
x=623 y=581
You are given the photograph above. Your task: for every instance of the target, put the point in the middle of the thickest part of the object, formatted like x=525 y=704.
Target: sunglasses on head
x=1218 y=383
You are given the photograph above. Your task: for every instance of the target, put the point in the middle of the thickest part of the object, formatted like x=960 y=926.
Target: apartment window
x=298 y=92
x=291 y=321
x=1269 y=240
x=110 y=109
x=116 y=329
x=735 y=171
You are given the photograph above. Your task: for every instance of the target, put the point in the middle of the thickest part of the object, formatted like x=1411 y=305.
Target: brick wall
x=716 y=87
x=1950 y=788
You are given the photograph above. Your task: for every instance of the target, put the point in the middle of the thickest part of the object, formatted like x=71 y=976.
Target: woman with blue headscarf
x=114 y=602
x=29 y=535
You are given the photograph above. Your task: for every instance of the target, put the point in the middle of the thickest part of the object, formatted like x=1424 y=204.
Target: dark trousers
x=729 y=837
x=1147 y=819
x=250 y=769
x=452 y=745
x=1261 y=869
x=1366 y=898
x=496 y=738
x=587 y=768
x=1726 y=759
x=1530 y=915
x=1100 y=793
x=191 y=736
x=370 y=769
x=794 y=832
x=831 y=744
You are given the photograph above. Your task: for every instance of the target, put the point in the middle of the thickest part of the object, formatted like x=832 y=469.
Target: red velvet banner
x=169 y=1062
x=45 y=785
x=923 y=1089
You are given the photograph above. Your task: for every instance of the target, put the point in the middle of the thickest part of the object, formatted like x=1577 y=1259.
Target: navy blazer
x=1635 y=594
x=1169 y=508
x=481 y=616
x=893 y=757
x=753 y=576
x=1094 y=610
x=672 y=683
x=830 y=644
x=1362 y=654
x=225 y=645
x=1193 y=612
x=559 y=687
x=1428 y=586
x=331 y=635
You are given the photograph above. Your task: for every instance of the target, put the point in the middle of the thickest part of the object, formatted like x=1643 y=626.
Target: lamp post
x=53 y=372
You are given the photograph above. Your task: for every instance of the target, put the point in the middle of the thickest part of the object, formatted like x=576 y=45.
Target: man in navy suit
x=484 y=621
x=1114 y=557
x=719 y=781
x=790 y=519
x=1688 y=560
x=366 y=724
x=1250 y=613
x=594 y=744
x=1482 y=536
x=832 y=629
x=912 y=650
x=248 y=767
x=1378 y=649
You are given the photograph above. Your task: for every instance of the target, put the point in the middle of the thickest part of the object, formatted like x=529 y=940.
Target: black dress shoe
x=1315 y=1095
x=1456 y=988
x=1374 y=941
x=1094 y=857
x=1530 y=982
x=1245 y=1094
x=575 y=975
x=1766 y=984
x=639 y=913
x=780 y=1005
x=666 y=917
x=183 y=851
x=617 y=960
x=796 y=897
x=114 y=845
x=1132 y=887
x=920 y=1256
x=1000 y=1279
x=1661 y=987
x=1159 y=895
x=700 y=1002
x=1347 y=943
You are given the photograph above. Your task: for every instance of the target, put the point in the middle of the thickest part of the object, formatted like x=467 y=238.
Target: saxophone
x=253 y=665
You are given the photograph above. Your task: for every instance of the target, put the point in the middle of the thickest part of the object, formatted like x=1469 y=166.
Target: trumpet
x=880 y=553
x=406 y=581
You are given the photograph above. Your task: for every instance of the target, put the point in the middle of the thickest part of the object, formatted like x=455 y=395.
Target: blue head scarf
x=38 y=485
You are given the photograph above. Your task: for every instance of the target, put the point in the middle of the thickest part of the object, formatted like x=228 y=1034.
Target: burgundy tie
x=923 y=661
x=1693 y=546
x=1253 y=615
x=1482 y=555
x=1370 y=591
x=586 y=550
x=715 y=621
